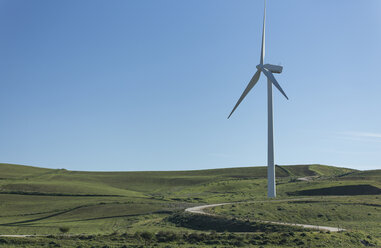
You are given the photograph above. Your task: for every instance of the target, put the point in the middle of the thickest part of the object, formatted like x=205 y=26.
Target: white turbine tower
x=268 y=70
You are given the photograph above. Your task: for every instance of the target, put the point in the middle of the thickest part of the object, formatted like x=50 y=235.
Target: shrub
x=138 y=236
x=283 y=241
x=146 y=235
x=194 y=238
x=239 y=244
x=168 y=236
x=64 y=229
x=213 y=233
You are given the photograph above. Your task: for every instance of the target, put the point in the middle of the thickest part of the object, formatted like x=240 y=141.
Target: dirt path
x=20 y=235
x=200 y=210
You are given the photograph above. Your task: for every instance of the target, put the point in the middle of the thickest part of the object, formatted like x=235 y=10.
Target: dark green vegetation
x=145 y=208
x=362 y=189
x=196 y=239
x=223 y=224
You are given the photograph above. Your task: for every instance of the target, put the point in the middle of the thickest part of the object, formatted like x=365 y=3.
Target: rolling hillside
x=39 y=200
x=32 y=180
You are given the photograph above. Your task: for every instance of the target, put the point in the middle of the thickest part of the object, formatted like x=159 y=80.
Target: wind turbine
x=268 y=70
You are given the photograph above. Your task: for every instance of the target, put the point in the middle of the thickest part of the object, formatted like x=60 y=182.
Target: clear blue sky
x=148 y=85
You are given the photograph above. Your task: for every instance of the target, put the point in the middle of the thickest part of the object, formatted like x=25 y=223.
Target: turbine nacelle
x=272 y=68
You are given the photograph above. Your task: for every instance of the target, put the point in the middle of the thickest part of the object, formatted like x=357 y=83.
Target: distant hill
x=32 y=180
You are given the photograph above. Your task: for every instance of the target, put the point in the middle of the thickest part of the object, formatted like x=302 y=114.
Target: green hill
x=25 y=179
x=40 y=200
x=11 y=171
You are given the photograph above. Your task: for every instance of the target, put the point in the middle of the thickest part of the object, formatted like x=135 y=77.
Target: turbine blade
x=263 y=37
x=271 y=77
x=251 y=84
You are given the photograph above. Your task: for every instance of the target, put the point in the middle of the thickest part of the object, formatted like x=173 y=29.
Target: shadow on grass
x=221 y=224
x=362 y=189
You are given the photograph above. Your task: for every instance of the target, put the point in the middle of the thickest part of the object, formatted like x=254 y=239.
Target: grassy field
x=352 y=213
x=113 y=208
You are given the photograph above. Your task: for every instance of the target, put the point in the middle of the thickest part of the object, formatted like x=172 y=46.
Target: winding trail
x=21 y=235
x=200 y=210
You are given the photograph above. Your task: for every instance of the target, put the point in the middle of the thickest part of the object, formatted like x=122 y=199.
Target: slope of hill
x=10 y=171
x=39 y=200
x=18 y=178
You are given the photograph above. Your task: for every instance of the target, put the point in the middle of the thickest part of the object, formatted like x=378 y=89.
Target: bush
x=213 y=234
x=146 y=235
x=239 y=244
x=137 y=235
x=168 y=236
x=283 y=241
x=196 y=237
x=64 y=229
